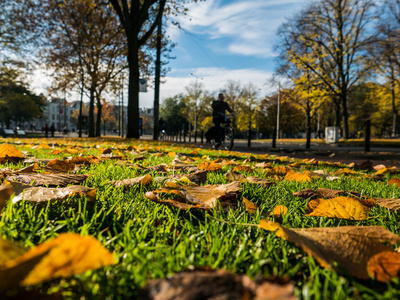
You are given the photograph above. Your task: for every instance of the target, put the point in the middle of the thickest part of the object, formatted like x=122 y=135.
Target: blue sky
x=221 y=40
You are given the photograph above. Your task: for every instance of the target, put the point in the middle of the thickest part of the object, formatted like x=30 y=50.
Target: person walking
x=219 y=107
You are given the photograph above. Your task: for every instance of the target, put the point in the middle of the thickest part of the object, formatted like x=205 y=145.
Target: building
x=147 y=116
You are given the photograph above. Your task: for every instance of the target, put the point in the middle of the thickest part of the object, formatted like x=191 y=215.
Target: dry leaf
x=278 y=171
x=234 y=176
x=259 y=181
x=250 y=206
x=345 y=171
x=41 y=194
x=202 y=197
x=209 y=166
x=308 y=194
x=7 y=150
x=64 y=166
x=298 y=177
x=145 y=180
x=394 y=181
x=384 y=266
x=339 y=207
x=29 y=169
x=215 y=284
x=198 y=177
x=279 y=211
x=350 y=246
x=242 y=168
x=64 y=256
x=9 y=251
x=392 y=204
x=5 y=193
x=58 y=179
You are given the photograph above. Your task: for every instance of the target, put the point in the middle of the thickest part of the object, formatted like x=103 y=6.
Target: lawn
x=157 y=239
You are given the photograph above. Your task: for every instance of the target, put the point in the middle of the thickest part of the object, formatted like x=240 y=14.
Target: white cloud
x=251 y=22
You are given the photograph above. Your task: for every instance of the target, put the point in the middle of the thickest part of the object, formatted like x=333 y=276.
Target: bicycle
x=227 y=138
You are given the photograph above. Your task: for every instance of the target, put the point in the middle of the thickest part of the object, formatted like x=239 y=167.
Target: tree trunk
x=156 y=127
x=345 y=117
x=133 y=90
x=91 y=113
x=308 y=127
x=98 y=119
x=394 y=109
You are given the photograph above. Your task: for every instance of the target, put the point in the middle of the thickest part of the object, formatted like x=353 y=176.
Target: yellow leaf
x=274 y=227
x=10 y=151
x=339 y=207
x=64 y=256
x=345 y=171
x=299 y=177
x=279 y=211
x=171 y=154
x=250 y=206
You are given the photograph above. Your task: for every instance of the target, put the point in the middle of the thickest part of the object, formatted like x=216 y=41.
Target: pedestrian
x=52 y=129
x=219 y=107
x=46 y=130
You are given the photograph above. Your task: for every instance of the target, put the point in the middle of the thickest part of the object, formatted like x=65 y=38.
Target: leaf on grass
x=6 y=191
x=384 y=266
x=298 y=177
x=391 y=204
x=350 y=246
x=279 y=211
x=242 y=168
x=161 y=168
x=234 y=176
x=202 y=197
x=198 y=177
x=259 y=181
x=42 y=194
x=58 y=179
x=250 y=206
x=145 y=180
x=209 y=166
x=339 y=207
x=64 y=256
x=29 y=169
x=391 y=170
x=178 y=164
x=366 y=165
x=308 y=194
x=7 y=150
x=216 y=284
x=64 y=166
x=278 y=171
x=394 y=181
x=9 y=251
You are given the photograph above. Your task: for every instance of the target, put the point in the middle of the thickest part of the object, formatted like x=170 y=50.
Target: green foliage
x=172 y=111
x=17 y=103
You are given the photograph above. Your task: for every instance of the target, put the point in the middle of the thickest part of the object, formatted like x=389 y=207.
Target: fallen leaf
x=202 y=197
x=64 y=256
x=350 y=246
x=234 y=176
x=9 y=251
x=366 y=165
x=242 y=168
x=391 y=204
x=58 y=179
x=29 y=169
x=6 y=150
x=198 y=177
x=339 y=207
x=298 y=177
x=145 y=180
x=215 y=284
x=5 y=193
x=64 y=166
x=345 y=171
x=279 y=211
x=259 y=181
x=210 y=166
x=394 y=181
x=41 y=194
x=384 y=266
x=308 y=194
x=250 y=206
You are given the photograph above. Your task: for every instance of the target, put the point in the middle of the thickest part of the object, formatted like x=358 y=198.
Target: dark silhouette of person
x=219 y=107
x=46 y=130
x=162 y=124
x=52 y=129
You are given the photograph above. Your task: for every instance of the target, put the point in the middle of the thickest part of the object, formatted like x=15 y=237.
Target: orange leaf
x=279 y=211
x=250 y=206
x=61 y=165
x=209 y=166
x=10 y=151
x=299 y=177
x=384 y=266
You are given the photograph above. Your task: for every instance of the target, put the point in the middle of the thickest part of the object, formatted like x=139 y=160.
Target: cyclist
x=219 y=107
x=162 y=127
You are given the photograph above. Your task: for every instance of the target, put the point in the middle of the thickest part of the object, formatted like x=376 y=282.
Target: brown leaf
x=29 y=169
x=145 y=180
x=250 y=206
x=394 y=181
x=58 y=179
x=234 y=176
x=198 y=177
x=41 y=194
x=218 y=284
x=64 y=166
x=161 y=168
x=350 y=246
x=384 y=266
x=339 y=207
x=259 y=181
x=391 y=204
x=5 y=193
x=308 y=194
x=366 y=165
x=203 y=197
x=242 y=168
x=210 y=166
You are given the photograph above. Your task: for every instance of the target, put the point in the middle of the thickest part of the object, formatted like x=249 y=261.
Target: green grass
x=150 y=240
